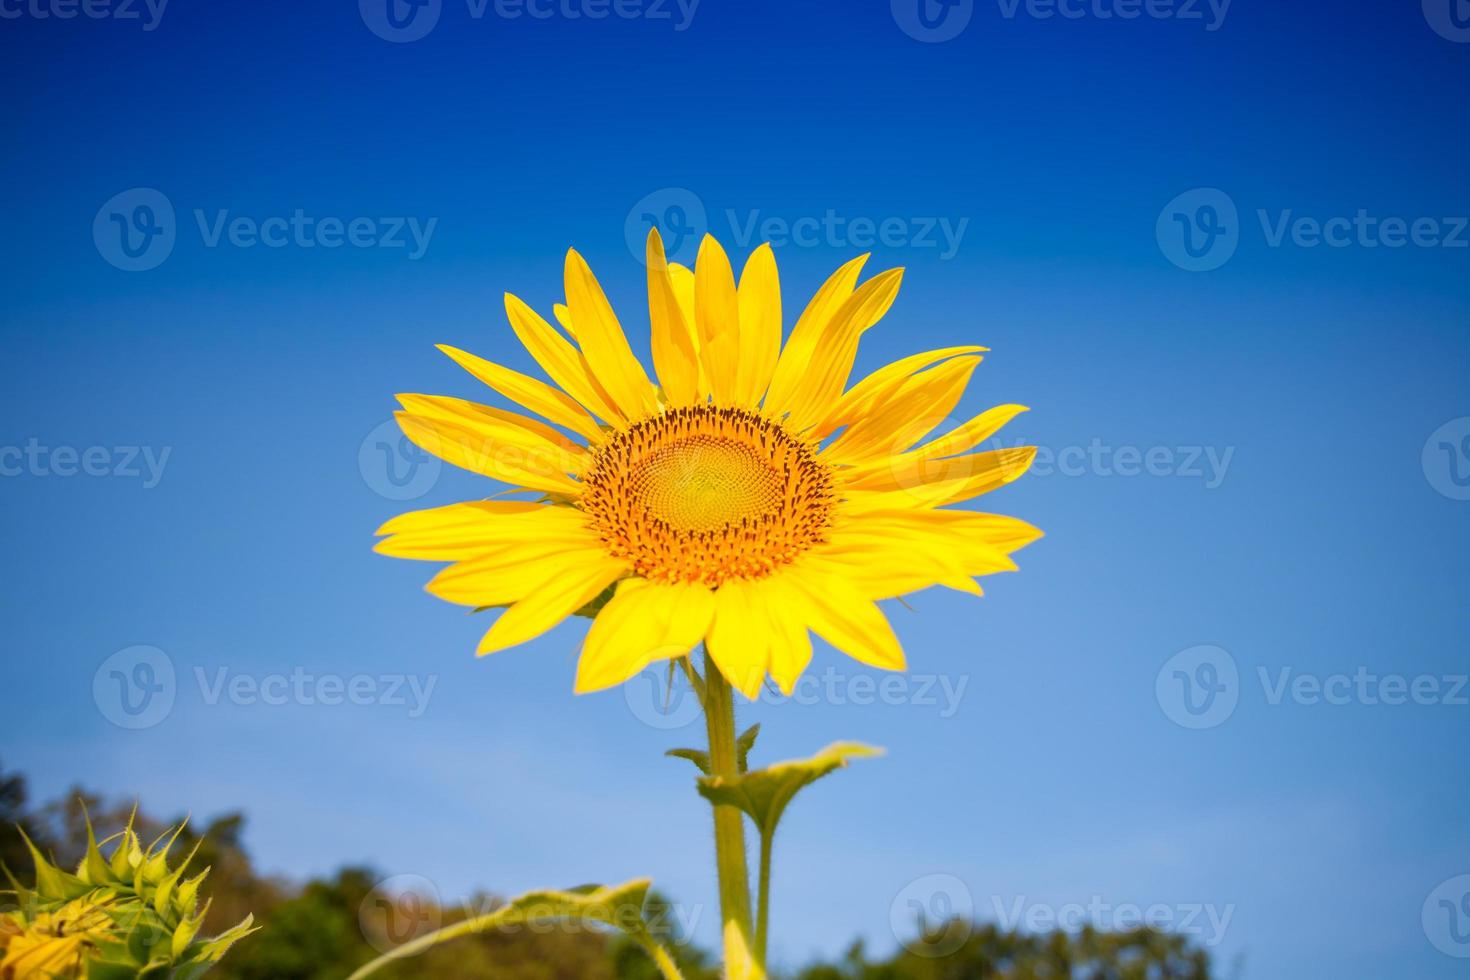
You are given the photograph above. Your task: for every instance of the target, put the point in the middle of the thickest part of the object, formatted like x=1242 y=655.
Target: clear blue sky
x=1328 y=535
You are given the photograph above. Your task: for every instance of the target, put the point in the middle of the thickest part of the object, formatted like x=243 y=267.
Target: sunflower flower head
x=123 y=915
x=750 y=498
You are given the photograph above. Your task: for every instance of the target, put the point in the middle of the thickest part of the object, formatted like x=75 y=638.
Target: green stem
x=665 y=962
x=763 y=896
x=719 y=712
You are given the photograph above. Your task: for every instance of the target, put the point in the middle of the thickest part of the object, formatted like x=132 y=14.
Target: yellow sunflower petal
x=717 y=319
x=863 y=398
x=562 y=362
x=548 y=402
x=923 y=401
x=983 y=472
x=501 y=426
x=476 y=450
x=759 y=296
x=675 y=352
x=892 y=553
x=831 y=363
x=683 y=279
x=790 y=643
x=645 y=621
x=796 y=356
x=839 y=613
x=460 y=530
x=552 y=600
x=604 y=344
x=740 y=639
x=513 y=570
x=937 y=459
x=563 y=318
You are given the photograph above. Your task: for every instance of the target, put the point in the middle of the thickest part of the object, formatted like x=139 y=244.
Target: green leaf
x=743 y=744
x=765 y=793
x=620 y=906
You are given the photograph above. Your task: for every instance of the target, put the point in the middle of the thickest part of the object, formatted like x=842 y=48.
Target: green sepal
x=53 y=884
x=163 y=896
x=188 y=894
x=93 y=868
x=620 y=906
x=765 y=793
x=24 y=897
x=185 y=933
x=200 y=956
x=743 y=744
x=155 y=863
x=592 y=608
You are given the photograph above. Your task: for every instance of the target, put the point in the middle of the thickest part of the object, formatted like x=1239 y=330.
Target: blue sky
x=1303 y=406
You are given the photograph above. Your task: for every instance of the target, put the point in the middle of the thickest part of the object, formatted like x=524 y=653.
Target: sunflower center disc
x=704 y=494
x=703 y=483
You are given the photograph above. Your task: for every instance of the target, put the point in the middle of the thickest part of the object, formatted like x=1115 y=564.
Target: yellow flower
x=748 y=498
x=56 y=944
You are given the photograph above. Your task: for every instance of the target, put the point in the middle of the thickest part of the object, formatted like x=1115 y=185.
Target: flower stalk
x=741 y=962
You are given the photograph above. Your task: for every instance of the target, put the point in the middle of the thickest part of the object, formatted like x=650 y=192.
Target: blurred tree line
x=313 y=931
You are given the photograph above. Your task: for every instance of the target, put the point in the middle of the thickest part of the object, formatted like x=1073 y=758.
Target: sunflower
x=748 y=499
x=56 y=944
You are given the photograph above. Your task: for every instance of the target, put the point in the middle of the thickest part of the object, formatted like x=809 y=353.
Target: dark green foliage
x=312 y=931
